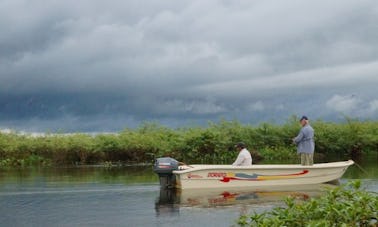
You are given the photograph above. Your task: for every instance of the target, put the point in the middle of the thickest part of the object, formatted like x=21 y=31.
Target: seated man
x=244 y=158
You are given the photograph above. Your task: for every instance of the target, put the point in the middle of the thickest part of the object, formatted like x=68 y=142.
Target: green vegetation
x=342 y=206
x=211 y=144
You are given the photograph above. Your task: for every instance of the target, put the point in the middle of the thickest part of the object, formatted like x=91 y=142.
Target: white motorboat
x=173 y=175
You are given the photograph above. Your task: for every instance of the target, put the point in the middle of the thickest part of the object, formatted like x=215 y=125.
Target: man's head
x=239 y=146
x=303 y=121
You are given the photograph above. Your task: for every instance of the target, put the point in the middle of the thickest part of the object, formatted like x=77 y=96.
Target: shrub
x=279 y=153
x=346 y=205
x=211 y=144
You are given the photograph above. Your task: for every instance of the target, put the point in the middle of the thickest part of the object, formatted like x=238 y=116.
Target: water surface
x=130 y=196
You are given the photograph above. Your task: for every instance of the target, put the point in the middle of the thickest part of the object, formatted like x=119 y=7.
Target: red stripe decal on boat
x=260 y=177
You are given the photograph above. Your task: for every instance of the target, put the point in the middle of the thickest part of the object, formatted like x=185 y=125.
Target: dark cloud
x=100 y=66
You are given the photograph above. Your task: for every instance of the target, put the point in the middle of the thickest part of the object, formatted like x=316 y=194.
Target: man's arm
x=299 y=137
x=239 y=160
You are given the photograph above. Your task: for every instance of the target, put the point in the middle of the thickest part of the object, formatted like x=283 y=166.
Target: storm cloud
x=103 y=66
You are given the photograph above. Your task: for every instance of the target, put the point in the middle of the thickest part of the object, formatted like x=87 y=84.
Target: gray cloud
x=97 y=66
x=343 y=104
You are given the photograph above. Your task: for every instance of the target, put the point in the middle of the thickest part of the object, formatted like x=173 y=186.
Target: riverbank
x=211 y=144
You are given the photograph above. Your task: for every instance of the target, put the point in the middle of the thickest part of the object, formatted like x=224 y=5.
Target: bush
x=279 y=153
x=213 y=144
x=346 y=205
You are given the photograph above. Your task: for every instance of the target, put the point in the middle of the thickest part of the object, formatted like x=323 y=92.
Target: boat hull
x=257 y=176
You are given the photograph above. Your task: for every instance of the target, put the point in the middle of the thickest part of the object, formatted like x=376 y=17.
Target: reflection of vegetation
x=211 y=144
x=341 y=206
x=364 y=168
x=81 y=175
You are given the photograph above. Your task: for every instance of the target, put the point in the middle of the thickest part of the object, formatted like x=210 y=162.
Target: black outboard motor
x=164 y=168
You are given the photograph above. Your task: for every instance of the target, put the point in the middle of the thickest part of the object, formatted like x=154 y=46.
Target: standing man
x=244 y=158
x=305 y=142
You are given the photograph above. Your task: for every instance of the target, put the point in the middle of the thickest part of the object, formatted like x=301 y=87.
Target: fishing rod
x=362 y=169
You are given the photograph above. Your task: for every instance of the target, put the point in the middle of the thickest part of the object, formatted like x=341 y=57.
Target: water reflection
x=130 y=196
x=170 y=201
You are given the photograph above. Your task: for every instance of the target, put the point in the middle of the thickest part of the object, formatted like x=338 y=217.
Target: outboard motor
x=164 y=168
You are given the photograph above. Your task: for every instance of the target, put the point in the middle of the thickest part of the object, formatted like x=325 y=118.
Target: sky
x=102 y=66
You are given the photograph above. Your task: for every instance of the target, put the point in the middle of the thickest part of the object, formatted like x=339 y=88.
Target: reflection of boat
x=258 y=176
x=219 y=197
x=167 y=202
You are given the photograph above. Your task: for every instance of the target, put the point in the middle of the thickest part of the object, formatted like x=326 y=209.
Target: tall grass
x=211 y=144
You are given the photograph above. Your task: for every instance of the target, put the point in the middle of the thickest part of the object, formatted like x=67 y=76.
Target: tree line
x=213 y=143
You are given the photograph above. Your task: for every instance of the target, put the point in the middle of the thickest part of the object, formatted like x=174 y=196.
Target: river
x=130 y=196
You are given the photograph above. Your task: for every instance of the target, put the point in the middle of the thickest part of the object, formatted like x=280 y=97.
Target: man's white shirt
x=244 y=158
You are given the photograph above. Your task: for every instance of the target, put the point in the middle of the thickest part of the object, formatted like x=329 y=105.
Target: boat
x=173 y=175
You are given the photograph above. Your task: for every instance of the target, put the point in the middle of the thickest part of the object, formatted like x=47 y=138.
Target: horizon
x=292 y=119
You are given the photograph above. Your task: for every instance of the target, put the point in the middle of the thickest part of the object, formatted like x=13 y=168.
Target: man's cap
x=240 y=145
x=303 y=118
